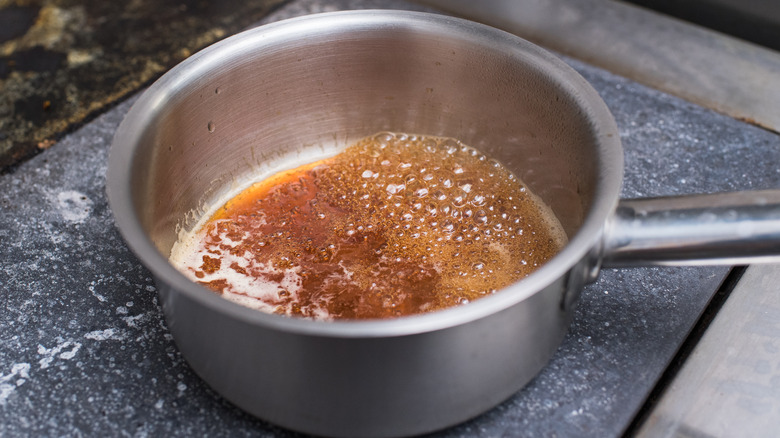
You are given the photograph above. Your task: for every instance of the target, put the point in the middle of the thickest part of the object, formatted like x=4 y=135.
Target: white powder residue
x=105 y=335
x=94 y=293
x=74 y=206
x=19 y=374
x=132 y=321
x=55 y=236
x=49 y=354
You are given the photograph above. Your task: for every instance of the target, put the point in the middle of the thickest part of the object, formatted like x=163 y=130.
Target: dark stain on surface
x=16 y=20
x=35 y=108
x=64 y=61
x=36 y=59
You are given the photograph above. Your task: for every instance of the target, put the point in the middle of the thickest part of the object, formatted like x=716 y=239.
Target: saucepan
x=295 y=91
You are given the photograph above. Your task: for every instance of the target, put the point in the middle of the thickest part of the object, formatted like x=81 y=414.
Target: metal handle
x=717 y=229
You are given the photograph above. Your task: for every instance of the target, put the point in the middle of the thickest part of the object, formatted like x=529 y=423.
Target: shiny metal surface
x=726 y=228
x=292 y=92
x=729 y=385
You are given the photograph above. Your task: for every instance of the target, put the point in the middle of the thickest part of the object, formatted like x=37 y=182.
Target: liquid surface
x=395 y=225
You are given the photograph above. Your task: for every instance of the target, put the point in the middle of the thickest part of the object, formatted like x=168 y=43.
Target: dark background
x=757 y=21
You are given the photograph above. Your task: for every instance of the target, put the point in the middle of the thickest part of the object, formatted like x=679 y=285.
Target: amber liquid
x=395 y=225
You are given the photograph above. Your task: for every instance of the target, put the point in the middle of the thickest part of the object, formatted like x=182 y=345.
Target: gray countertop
x=84 y=349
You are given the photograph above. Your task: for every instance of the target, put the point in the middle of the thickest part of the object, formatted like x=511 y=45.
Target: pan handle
x=716 y=229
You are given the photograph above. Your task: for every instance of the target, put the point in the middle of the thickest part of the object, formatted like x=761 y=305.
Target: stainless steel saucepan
x=296 y=91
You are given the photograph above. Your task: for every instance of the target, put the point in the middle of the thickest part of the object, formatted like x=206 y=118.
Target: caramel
x=395 y=225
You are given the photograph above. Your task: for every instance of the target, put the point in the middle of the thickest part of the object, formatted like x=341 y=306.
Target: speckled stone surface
x=84 y=350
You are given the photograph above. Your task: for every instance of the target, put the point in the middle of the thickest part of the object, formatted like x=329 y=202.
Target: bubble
x=325 y=254
x=417 y=201
x=430 y=145
x=394 y=188
x=373 y=151
x=383 y=139
x=450 y=146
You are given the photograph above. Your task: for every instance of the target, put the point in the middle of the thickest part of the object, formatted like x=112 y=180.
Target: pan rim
x=130 y=133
